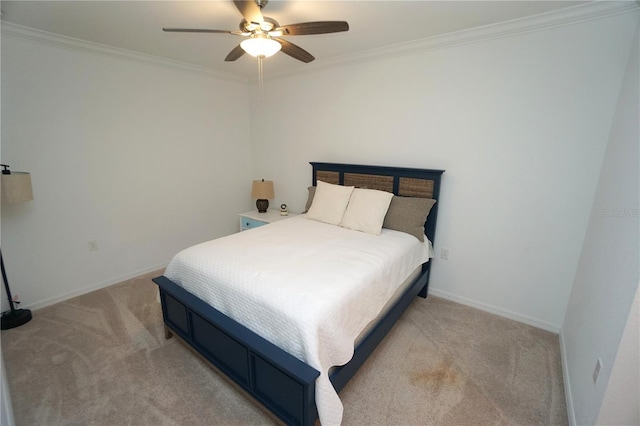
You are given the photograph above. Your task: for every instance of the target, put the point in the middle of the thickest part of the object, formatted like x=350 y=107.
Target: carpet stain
x=442 y=374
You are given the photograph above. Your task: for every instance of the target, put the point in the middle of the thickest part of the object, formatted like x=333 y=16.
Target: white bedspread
x=306 y=286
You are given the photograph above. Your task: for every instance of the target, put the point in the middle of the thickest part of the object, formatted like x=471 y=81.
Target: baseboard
x=116 y=280
x=496 y=310
x=571 y=415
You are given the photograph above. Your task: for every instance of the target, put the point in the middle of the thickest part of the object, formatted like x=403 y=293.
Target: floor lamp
x=16 y=188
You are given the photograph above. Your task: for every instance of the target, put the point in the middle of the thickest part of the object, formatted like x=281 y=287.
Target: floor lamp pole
x=14 y=317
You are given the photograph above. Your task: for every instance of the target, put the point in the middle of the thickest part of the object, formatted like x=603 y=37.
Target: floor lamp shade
x=262 y=190
x=16 y=188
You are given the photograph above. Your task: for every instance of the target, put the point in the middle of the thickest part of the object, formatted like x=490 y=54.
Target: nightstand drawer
x=253 y=219
x=248 y=223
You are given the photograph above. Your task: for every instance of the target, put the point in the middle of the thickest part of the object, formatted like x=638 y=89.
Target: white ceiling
x=137 y=25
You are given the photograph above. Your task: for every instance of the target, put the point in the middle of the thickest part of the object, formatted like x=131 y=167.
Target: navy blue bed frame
x=280 y=382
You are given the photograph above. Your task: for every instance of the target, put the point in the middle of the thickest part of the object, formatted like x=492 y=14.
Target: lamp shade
x=16 y=187
x=260 y=45
x=262 y=189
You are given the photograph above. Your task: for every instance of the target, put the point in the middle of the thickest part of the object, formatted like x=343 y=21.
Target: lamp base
x=13 y=319
x=262 y=205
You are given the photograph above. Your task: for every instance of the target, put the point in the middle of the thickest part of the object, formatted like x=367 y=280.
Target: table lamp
x=262 y=190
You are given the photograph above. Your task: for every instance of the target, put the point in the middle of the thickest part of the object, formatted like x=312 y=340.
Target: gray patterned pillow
x=408 y=214
x=312 y=193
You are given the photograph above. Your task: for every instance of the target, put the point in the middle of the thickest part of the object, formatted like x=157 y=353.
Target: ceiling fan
x=263 y=33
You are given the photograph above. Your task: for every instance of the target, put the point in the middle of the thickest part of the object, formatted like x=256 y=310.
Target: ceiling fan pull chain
x=260 y=78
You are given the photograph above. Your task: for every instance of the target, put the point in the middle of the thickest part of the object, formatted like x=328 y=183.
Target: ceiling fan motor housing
x=267 y=25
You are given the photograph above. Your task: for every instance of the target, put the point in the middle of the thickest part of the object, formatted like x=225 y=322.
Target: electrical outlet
x=93 y=245
x=444 y=253
x=596 y=371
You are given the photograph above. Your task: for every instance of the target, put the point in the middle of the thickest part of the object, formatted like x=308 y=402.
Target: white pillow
x=329 y=203
x=366 y=210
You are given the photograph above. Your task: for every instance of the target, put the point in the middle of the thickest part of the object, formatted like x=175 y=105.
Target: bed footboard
x=279 y=381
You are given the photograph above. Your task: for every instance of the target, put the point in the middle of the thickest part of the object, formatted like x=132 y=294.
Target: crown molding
x=569 y=16
x=11 y=30
x=573 y=15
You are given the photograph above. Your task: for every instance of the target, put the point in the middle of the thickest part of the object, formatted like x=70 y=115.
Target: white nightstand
x=253 y=219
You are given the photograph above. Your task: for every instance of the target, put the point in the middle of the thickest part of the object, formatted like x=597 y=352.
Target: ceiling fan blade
x=195 y=30
x=250 y=10
x=320 y=27
x=236 y=53
x=294 y=51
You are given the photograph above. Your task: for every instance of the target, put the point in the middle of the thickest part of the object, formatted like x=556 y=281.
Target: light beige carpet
x=101 y=359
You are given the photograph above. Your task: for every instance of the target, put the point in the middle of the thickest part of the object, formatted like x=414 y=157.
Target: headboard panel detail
x=328 y=177
x=406 y=182
x=412 y=187
x=382 y=183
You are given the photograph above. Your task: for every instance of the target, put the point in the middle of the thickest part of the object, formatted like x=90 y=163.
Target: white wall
x=608 y=272
x=144 y=158
x=519 y=123
x=621 y=402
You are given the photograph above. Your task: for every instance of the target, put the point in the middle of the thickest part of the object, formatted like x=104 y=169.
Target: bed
x=270 y=369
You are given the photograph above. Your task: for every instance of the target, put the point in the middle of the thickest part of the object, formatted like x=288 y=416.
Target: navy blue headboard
x=402 y=181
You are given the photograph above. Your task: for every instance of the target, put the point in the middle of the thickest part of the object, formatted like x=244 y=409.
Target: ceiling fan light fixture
x=260 y=45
